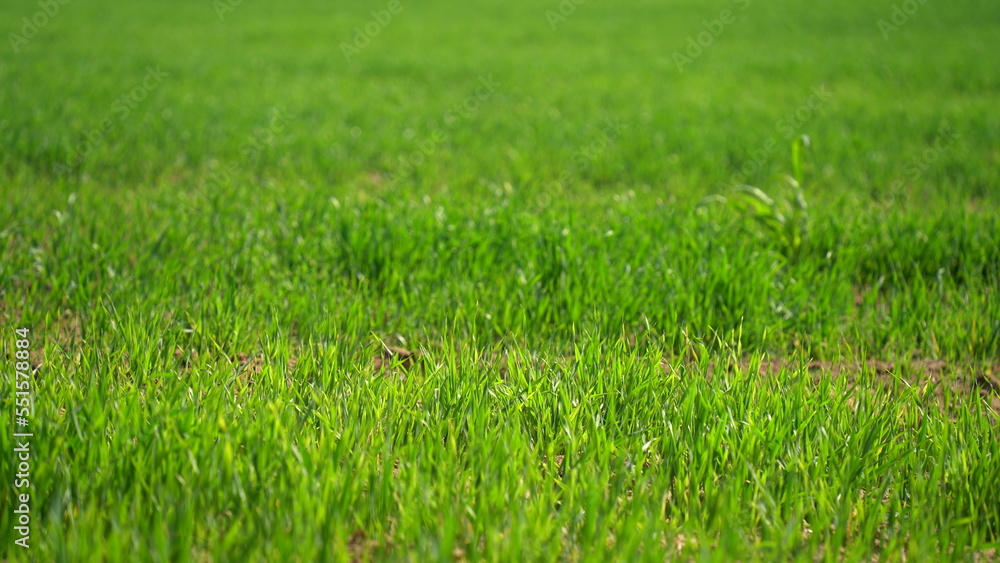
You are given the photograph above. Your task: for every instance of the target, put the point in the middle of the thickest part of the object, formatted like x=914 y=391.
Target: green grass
x=207 y=283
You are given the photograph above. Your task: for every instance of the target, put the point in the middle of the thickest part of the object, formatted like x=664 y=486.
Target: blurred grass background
x=208 y=284
x=682 y=131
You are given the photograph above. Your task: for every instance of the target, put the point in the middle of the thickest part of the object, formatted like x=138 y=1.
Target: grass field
x=442 y=281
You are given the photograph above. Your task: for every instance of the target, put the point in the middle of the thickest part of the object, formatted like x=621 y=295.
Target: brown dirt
x=360 y=546
x=391 y=356
x=185 y=358
x=250 y=365
x=961 y=379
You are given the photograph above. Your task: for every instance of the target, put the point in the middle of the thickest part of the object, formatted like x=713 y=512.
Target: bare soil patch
x=392 y=356
x=960 y=378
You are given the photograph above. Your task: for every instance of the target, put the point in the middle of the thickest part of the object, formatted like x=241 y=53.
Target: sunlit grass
x=220 y=290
